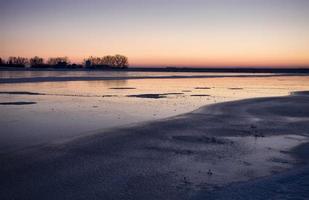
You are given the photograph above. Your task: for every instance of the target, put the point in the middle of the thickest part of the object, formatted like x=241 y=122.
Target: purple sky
x=160 y=32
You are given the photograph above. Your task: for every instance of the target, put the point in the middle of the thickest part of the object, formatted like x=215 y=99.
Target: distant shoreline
x=111 y=78
x=172 y=69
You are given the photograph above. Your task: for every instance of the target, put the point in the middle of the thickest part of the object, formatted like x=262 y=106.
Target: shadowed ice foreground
x=253 y=148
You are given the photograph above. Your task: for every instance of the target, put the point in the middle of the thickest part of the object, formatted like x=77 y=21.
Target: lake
x=33 y=113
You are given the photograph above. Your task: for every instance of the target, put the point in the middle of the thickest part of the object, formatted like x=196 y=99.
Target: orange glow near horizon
x=186 y=49
x=160 y=33
x=192 y=55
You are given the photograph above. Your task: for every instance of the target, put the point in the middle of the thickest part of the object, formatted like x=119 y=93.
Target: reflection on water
x=82 y=107
x=35 y=74
x=110 y=83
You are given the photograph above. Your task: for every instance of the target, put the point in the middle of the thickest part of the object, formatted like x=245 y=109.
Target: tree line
x=117 y=61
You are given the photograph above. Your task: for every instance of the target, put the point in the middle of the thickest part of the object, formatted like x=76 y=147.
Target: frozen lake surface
x=44 y=112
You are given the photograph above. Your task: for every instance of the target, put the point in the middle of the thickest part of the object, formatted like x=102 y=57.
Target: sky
x=197 y=33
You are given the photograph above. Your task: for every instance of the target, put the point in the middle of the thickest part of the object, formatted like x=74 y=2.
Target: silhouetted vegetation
x=2 y=62
x=17 y=61
x=35 y=61
x=121 y=61
x=58 y=61
x=117 y=61
x=105 y=62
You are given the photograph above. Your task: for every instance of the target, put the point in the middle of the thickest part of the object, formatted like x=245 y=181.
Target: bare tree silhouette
x=113 y=62
x=17 y=61
x=121 y=61
x=93 y=61
x=117 y=61
x=36 y=61
x=2 y=61
x=108 y=60
x=58 y=61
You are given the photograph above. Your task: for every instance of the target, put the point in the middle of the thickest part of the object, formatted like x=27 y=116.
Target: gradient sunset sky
x=160 y=32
